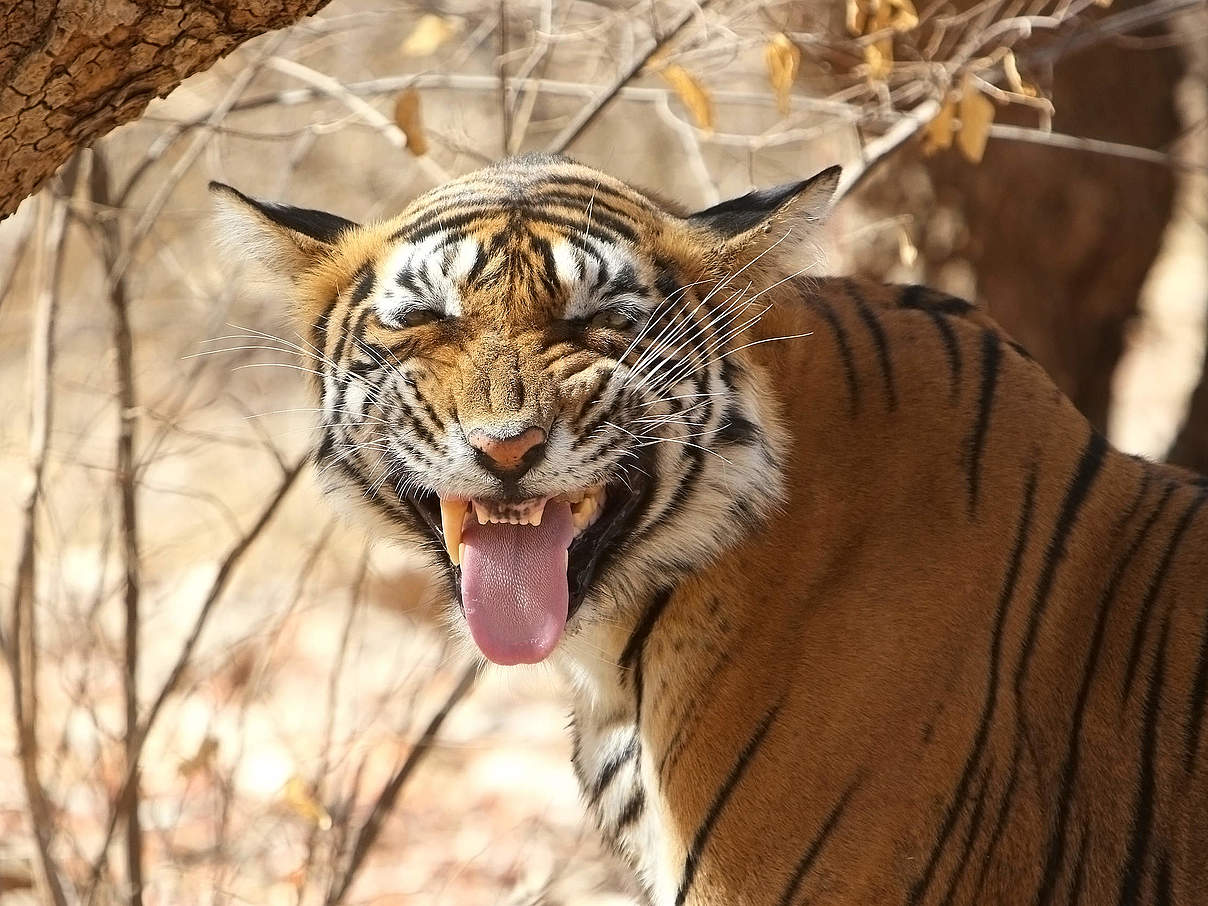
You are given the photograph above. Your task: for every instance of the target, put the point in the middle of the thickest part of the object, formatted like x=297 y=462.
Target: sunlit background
x=1047 y=158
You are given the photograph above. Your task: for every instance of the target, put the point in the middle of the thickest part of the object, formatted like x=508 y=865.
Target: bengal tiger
x=853 y=605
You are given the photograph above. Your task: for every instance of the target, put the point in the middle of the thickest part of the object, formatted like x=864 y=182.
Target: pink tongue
x=513 y=585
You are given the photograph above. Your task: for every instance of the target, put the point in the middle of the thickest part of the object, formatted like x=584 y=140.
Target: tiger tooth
x=481 y=512
x=461 y=553
x=537 y=512
x=452 y=514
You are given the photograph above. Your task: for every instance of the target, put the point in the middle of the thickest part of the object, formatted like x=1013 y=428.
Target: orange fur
x=921 y=638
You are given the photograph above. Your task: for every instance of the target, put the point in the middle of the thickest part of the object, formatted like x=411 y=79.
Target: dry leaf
x=408 y=117
x=938 y=134
x=1011 y=72
x=977 y=113
x=299 y=799
x=201 y=760
x=782 y=57
x=903 y=16
x=879 y=57
x=430 y=32
x=908 y=254
x=857 y=17
x=692 y=94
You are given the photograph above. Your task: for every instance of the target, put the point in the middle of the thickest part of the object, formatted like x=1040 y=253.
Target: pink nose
x=511 y=454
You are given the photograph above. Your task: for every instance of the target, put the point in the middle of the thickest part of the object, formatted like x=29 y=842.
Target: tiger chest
x=617 y=778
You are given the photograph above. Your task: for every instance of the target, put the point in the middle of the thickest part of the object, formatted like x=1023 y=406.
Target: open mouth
x=522 y=568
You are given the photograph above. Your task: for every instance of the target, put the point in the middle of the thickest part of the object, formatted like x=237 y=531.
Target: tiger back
x=852 y=604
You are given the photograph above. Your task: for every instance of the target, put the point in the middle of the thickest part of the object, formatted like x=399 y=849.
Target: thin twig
x=877 y=151
x=230 y=562
x=385 y=802
x=125 y=478
x=1093 y=146
x=182 y=166
x=23 y=639
x=587 y=115
x=505 y=112
x=334 y=89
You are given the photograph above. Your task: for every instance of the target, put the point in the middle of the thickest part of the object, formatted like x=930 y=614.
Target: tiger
x=851 y=604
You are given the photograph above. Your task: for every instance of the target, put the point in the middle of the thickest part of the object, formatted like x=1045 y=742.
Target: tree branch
x=23 y=638
x=71 y=72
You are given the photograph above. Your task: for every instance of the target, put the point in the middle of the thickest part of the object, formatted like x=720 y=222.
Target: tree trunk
x=72 y=70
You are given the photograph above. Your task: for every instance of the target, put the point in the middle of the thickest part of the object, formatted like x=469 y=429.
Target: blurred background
x=182 y=599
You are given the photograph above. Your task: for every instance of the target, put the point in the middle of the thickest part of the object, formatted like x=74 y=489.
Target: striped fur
x=884 y=620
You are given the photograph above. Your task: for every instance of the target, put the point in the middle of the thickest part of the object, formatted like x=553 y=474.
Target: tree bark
x=72 y=70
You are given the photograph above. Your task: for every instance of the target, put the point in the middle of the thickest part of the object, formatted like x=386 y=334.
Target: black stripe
x=631 y=811
x=631 y=656
x=687 y=721
x=807 y=860
x=1199 y=697
x=609 y=771
x=1143 y=803
x=844 y=344
x=951 y=348
x=701 y=839
x=1141 y=629
x=1068 y=774
x=1000 y=822
x=971 y=835
x=927 y=299
x=990 y=360
x=1084 y=477
x=990 y=703
x=1079 y=870
x=877 y=332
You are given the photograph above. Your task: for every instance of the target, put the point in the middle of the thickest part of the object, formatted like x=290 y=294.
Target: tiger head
x=542 y=376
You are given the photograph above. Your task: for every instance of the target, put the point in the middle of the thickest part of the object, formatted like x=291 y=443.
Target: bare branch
x=587 y=115
x=23 y=639
x=229 y=564
x=385 y=802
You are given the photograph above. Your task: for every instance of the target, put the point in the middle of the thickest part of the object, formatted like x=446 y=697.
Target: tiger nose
x=508 y=455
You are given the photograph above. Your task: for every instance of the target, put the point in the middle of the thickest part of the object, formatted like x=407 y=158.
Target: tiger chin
x=853 y=605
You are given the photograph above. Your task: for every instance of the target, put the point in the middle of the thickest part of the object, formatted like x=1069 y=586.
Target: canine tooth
x=481 y=512
x=461 y=554
x=452 y=514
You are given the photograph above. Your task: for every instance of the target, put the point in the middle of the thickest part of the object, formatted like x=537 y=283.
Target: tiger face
x=537 y=373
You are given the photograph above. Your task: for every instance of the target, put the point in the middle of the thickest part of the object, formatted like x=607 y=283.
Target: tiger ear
x=285 y=239
x=753 y=219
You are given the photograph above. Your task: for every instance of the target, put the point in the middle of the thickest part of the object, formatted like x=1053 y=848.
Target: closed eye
x=406 y=318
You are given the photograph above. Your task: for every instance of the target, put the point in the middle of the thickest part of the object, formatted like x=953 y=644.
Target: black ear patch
x=318 y=225
x=738 y=215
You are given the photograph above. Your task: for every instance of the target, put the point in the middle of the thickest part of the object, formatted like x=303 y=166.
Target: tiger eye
x=614 y=319
x=418 y=318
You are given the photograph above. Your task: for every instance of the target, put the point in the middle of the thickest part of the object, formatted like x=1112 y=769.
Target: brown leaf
x=1011 y=72
x=693 y=95
x=430 y=32
x=879 y=58
x=938 y=134
x=300 y=800
x=903 y=16
x=857 y=17
x=977 y=113
x=409 y=118
x=201 y=760
x=782 y=57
